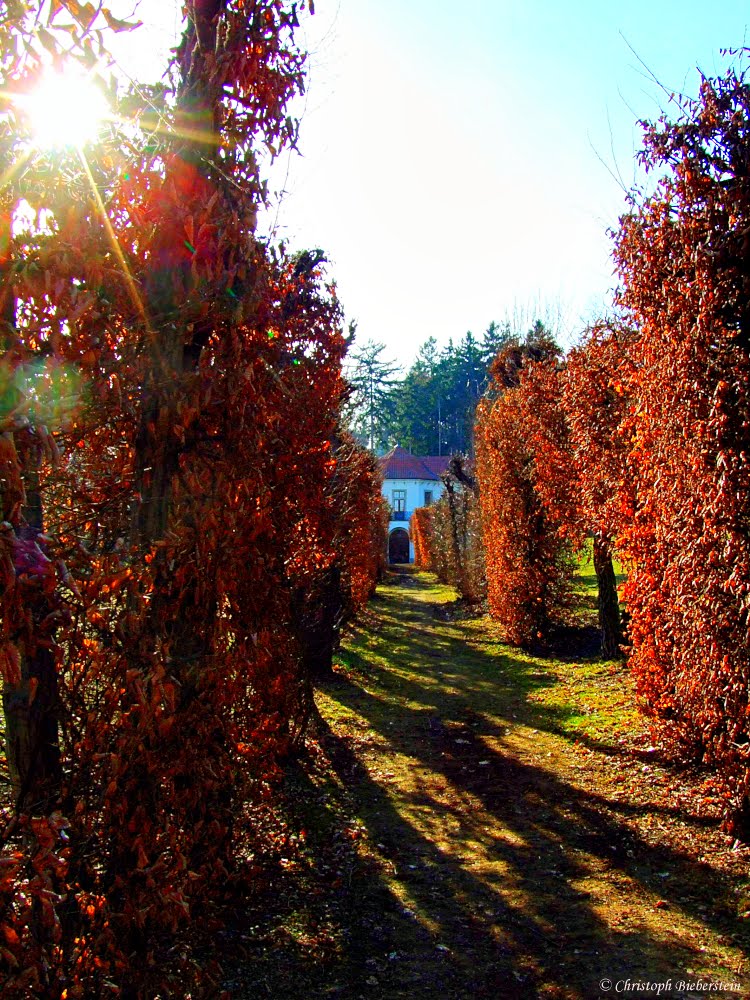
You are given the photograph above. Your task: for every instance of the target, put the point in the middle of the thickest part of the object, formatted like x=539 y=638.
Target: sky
x=463 y=162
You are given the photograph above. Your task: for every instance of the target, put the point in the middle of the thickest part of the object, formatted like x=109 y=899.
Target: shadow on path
x=477 y=866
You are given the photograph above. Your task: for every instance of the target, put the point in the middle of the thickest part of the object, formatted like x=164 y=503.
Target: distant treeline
x=430 y=410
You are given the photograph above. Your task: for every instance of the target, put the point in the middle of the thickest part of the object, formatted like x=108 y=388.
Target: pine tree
x=373 y=379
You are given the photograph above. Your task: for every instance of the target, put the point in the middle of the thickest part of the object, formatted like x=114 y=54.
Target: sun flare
x=65 y=109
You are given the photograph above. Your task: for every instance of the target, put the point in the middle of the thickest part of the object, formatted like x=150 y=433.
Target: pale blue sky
x=451 y=152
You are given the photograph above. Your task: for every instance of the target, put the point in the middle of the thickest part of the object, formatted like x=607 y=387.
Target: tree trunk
x=317 y=617
x=30 y=706
x=31 y=734
x=175 y=357
x=455 y=538
x=610 y=623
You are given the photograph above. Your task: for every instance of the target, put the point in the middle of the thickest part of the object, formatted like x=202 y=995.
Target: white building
x=409 y=481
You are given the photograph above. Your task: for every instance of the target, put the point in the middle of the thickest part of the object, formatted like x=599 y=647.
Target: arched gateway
x=398 y=546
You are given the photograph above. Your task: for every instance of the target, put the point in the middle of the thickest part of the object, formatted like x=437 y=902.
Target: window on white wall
x=399 y=500
x=427 y=498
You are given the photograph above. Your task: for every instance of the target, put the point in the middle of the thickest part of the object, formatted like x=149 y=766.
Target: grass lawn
x=472 y=821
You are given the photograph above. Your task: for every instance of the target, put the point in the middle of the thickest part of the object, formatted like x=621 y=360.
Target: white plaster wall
x=415 y=490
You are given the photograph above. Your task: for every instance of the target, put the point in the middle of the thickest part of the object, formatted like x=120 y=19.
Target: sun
x=65 y=109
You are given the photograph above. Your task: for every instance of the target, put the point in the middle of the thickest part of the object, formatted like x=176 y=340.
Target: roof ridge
x=402 y=464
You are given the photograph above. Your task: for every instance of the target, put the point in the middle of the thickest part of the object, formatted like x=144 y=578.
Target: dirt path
x=453 y=842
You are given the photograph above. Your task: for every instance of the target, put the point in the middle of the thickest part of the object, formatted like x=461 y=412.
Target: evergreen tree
x=431 y=410
x=373 y=380
x=415 y=410
x=435 y=403
x=494 y=339
x=471 y=377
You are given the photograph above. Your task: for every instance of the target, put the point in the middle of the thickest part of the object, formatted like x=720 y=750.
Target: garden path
x=460 y=836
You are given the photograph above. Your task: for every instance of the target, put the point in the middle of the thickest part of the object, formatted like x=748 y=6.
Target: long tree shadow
x=494 y=674
x=475 y=874
x=516 y=923
x=533 y=807
x=528 y=799
x=520 y=680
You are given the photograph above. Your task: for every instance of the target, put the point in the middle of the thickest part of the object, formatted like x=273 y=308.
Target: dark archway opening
x=398 y=546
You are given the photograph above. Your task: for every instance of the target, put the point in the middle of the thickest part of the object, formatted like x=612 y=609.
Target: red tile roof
x=401 y=464
x=436 y=463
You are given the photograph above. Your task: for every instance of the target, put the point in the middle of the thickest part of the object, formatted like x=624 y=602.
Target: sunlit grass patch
x=485 y=817
x=595 y=700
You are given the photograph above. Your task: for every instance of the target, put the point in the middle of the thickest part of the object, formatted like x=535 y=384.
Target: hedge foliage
x=523 y=489
x=682 y=255
x=447 y=536
x=172 y=477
